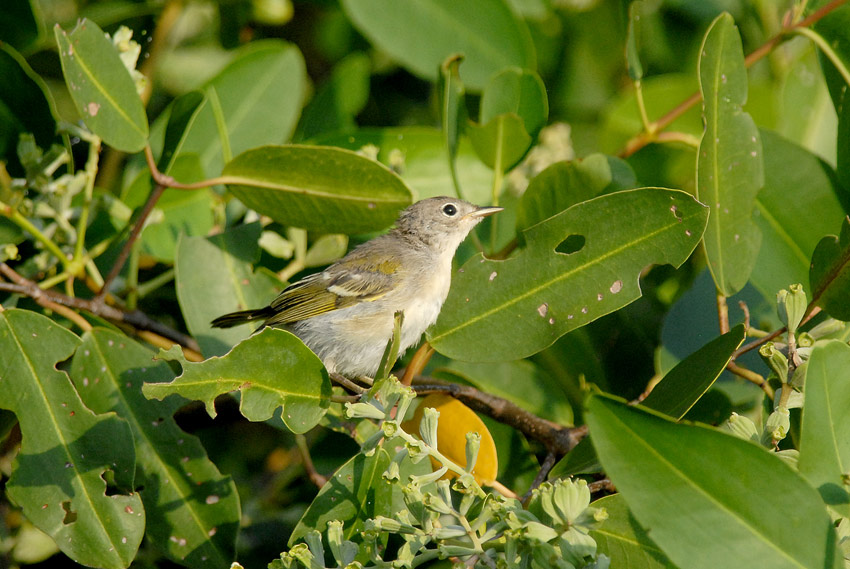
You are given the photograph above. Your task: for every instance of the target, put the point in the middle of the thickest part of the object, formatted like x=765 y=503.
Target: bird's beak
x=484 y=212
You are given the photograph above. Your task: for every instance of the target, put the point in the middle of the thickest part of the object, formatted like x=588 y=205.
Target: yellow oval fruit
x=456 y=419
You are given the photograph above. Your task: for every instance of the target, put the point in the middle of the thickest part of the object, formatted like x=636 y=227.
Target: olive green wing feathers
x=351 y=281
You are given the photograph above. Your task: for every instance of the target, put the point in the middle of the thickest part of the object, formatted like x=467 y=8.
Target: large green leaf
x=356 y=492
x=789 y=235
x=270 y=369
x=101 y=87
x=192 y=510
x=564 y=184
x=260 y=94
x=58 y=477
x=621 y=538
x=692 y=377
x=421 y=34
x=729 y=162
x=214 y=276
x=825 y=432
x=318 y=188
x=709 y=499
x=576 y=267
x=829 y=276
x=424 y=166
x=25 y=105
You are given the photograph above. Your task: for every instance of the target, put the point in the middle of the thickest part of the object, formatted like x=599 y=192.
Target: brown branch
x=558 y=439
x=136 y=319
x=131 y=240
x=599 y=485
x=646 y=137
x=545 y=468
x=417 y=363
x=751 y=376
x=317 y=479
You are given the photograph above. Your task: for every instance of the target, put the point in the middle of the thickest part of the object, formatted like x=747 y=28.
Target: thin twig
x=312 y=473
x=722 y=313
x=545 y=469
x=347 y=383
x=137 y=319
x=599 y=485
x=752 y=376
x=417 y=363
x=131 y=240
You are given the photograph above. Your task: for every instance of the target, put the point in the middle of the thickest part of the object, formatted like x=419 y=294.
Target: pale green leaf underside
x=729 y=160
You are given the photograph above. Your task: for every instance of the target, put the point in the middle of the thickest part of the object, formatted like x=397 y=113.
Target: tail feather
x=240 y=317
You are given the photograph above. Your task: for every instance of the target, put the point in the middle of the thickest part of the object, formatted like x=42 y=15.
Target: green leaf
x=540 y=394
x=825 y=430
x=577 y=266
x=192 y=510
x=668 y=472
x=184 y=111
x=790 y=234
x=621 y=538
x=25 y=105
x=339 y=99
x=633 y=42
x=260 y=92
x=317 y=188
x=356 y=492
x=564 y=184
x=214 y=277
x=421 y=34
x=829 y=276
x=59 y=477
x=502 y=142
x=729 y=163
x=270 y=369
x=517 y=91
x=102 y=89
x=423 y=166
x=692 y=377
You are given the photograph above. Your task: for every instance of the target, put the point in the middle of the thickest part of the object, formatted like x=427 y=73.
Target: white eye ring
x=449 y=210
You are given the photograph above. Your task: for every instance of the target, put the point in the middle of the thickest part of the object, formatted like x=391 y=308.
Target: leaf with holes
x=192 y=509
x=317 y=188
x=729 y=159
x=576 y=267
x=825 y=429
x=270 y=369
x=214 y=276
x=102 y=89
x=668 y=472
x=59 y=477
x=829 y=275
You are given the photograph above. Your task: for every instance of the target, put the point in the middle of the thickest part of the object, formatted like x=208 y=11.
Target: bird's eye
x=449 y=209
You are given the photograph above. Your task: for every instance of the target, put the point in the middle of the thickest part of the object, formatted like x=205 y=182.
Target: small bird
x=345 y=314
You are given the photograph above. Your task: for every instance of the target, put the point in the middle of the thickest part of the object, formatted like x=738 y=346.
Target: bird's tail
x=241 y=317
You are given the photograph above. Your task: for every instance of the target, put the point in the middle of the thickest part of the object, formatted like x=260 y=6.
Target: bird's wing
x=346 y=283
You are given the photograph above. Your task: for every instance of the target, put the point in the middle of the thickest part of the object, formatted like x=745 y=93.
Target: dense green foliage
x=652 y=331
